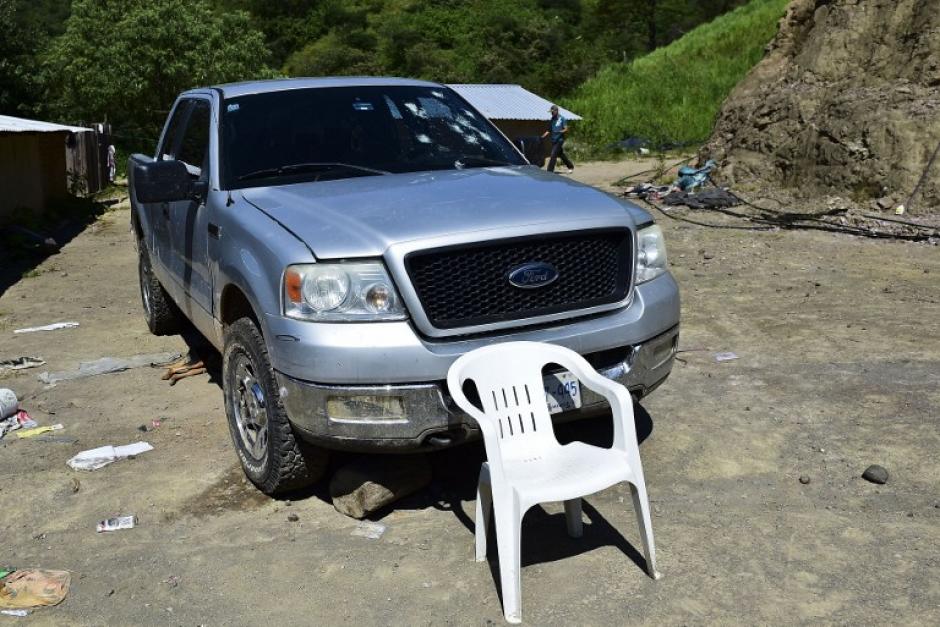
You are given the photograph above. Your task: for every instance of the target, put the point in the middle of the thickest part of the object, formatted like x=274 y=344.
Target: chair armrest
x=620 y=399
x=490 y=437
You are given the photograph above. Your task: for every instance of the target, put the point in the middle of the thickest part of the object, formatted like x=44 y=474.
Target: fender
x=251 y=242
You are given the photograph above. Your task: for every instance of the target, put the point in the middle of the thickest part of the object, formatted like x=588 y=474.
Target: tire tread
x=298 y=464
x=164 y=317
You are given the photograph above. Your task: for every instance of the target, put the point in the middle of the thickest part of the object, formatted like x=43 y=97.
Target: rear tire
x=161 y=313
x=271 y=454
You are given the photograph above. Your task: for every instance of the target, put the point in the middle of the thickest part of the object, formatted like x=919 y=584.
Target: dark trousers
x=558 y=152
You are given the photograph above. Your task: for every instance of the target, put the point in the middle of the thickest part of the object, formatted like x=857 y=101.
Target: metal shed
x=521 y=115
x=33 y=170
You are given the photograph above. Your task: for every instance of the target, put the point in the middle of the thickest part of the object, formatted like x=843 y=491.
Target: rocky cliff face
x=846 y=101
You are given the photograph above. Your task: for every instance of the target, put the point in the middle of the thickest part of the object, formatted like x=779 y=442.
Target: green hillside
x=674 y=93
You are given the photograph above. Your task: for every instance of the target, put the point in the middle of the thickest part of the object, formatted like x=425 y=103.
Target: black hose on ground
x=788 y=221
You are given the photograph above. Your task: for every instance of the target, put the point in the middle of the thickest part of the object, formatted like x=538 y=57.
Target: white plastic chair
x=525 y=463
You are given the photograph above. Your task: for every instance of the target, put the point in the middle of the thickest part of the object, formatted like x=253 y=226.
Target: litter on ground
x=117 y=523
x=31 y=433
x=19 y=420
x=720 y=357
x=96 y=458
x=24 y=589
x=9 y=404
x=154 y=424
x=107 y=365
x=20 y=613
x=55 y=326
x=21 y=363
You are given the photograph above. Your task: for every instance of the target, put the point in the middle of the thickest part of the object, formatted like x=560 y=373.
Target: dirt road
x=838 y=368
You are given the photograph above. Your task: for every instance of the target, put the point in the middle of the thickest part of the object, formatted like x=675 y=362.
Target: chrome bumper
x=426 y=417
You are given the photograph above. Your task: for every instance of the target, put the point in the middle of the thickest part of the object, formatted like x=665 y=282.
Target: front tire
x=272 y=456
x=162 y=315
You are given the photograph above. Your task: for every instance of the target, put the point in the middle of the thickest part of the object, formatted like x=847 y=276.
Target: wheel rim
x=145 y=287
x=251 y=415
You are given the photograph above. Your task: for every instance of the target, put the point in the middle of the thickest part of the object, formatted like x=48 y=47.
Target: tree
x=531 y=42
x=331 y=55
x=125 y=61
x=19 y=41
x=288 y=25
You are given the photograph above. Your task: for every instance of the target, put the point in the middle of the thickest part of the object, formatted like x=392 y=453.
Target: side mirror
x=162 y=181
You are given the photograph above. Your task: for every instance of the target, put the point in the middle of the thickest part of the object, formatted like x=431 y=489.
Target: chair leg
x=508 y=540
x=641 y=506
x=482 y=521
x=573 y=517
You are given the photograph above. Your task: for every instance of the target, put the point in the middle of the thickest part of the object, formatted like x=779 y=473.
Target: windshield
x=338 y=132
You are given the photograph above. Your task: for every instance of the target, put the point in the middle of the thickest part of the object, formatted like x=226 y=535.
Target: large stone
x=876 y=474
x=370 y=483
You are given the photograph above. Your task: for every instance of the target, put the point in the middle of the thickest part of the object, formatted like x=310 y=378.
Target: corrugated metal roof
x=508 y=102
x=9 y=124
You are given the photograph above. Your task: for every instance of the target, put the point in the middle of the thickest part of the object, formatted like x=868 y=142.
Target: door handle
x=215 y=230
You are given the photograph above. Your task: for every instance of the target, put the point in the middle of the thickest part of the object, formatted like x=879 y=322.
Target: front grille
x=468 y=285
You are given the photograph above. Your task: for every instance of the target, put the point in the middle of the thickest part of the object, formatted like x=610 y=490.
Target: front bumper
x=426 y=417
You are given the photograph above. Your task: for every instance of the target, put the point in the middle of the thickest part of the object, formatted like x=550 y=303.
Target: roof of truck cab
x=233 y=90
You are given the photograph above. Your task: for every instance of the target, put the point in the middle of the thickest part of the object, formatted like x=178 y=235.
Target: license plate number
x=562 y=392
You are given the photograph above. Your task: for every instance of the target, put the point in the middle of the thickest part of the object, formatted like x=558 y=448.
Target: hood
x=362 y=217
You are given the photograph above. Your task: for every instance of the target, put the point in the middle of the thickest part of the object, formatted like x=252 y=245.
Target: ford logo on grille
x=531 y=275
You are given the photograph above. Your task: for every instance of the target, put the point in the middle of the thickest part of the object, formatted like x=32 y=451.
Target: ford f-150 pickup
x=342 y=241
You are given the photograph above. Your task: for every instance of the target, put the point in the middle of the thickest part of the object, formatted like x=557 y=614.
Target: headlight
x=341 y=292
x=650 y=254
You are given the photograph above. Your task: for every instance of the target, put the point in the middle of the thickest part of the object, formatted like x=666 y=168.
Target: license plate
x=562 y=392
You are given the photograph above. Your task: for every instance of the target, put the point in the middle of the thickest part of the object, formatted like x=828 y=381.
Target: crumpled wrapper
x=24 y=589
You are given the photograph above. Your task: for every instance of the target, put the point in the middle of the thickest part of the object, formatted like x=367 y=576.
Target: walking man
x=557 y=128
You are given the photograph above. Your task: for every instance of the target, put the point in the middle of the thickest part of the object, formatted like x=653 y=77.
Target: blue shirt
x=558 y=125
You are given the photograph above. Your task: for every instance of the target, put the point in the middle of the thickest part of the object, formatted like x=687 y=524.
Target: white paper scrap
x=96 y=458
x=49 y=327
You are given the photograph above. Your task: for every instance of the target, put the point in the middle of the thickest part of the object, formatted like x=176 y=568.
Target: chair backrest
x=508 y=379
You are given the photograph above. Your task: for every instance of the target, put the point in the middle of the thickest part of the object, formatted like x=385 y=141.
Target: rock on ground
x=846 y=99
x=370 y=483
x=876 y=474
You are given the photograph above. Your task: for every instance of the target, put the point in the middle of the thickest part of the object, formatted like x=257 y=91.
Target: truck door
x=159 y=213
x=189 y=219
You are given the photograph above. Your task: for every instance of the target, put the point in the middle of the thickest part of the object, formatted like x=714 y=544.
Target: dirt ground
x=838 y=367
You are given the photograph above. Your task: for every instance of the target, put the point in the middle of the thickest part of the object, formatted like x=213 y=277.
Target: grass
x=672 y=95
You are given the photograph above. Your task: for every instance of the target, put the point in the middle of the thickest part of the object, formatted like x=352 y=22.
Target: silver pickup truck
x=343 y=241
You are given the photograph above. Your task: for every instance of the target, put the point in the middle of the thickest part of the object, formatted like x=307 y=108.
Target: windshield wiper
x=470 y=162
x=313 y=166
